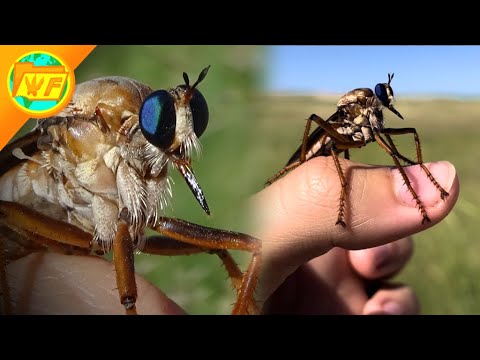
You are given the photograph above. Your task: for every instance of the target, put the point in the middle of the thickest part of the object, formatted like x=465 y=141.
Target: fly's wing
x=315 y=138
x=27 y=143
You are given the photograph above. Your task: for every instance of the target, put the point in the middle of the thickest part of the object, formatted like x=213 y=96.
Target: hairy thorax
x=91 y=168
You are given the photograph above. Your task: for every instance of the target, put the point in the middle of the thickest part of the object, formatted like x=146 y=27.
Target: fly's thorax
x=376 y=119
x=371 y=115
x=117 y=92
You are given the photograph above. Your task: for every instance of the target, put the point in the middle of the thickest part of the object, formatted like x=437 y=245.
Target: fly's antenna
x=390 y=78
x=189 y=92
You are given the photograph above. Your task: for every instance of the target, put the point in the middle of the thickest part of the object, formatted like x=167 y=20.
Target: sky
x=429 y=70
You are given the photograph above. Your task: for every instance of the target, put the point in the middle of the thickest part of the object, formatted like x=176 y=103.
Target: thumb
x=295 y=217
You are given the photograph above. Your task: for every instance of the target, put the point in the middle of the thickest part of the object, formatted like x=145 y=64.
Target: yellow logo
x=40 y=83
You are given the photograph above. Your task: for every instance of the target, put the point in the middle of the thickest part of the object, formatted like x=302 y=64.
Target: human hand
x=348 y=282
x=307 y=266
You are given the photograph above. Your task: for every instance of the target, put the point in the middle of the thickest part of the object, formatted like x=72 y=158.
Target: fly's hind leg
x=303 y=153
x=283 y=171
x=215 y=239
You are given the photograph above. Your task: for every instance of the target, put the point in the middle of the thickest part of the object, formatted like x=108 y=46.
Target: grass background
x=251 y=135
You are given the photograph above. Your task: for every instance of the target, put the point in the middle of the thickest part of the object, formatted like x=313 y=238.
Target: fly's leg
x=34 y=232
x=340 y=143
x=21 y=244
x=124 y=268
x=215 y=239
x=303 y=153
x=236 y=276
x=391 y=152
x=348 y=144
x=418 y=148
x=303 y=156
x=283 y=171
x=343 y=194
x=49 y=231
x=163 y=245
x=331 y=130
x=5 y=298
x=22 y=218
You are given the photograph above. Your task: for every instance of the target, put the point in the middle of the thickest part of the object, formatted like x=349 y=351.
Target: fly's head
x=384 y=93
x=172 y=121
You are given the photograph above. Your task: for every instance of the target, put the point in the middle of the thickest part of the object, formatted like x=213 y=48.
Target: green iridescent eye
x=158 y=119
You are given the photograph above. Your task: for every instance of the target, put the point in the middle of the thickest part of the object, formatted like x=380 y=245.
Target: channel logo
x=40 y=83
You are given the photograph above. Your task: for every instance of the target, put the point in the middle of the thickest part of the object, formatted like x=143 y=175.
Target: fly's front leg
x=397 y=153
x=391 y=152
x=443 y=194
x=214 y=239
x=163 y=245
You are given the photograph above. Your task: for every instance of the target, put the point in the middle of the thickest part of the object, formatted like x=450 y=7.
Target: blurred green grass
x=446 y=260
x=197 y=282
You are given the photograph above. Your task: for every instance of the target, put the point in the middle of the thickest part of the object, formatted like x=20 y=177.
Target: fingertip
x=382 y=261
x=393 y=300
x=444 y=174
x=50 y=283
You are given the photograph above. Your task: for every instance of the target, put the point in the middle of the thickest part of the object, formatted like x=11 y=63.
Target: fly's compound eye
x=199 y=108
x=381 y=92
x=158 y=119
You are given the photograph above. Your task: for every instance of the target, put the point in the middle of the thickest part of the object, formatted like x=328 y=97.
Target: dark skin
x=311 y=265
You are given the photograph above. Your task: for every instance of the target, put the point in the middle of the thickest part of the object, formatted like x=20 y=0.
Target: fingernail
x=442 y=171
x=392 y=308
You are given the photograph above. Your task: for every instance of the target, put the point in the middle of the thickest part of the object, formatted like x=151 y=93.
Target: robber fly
x=357 y=122
x=92 y=179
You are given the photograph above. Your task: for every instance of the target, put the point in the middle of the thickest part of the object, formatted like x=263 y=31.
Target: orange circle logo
x=40 y=84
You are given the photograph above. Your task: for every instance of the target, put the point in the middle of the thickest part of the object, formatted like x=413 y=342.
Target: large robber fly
x=357 y=122
x=92 y=179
